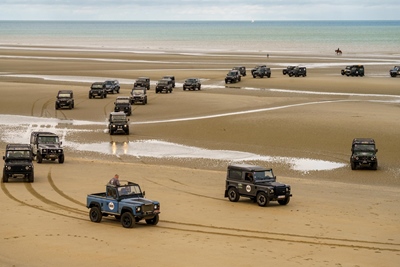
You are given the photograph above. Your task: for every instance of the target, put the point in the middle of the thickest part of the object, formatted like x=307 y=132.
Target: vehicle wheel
x=374 y=166
x=70 y=106
x=290 y=74
x=61 y=159
x=73 y=105
x=153 y=221
x=284 y=201
x=57 y=107
x=240 y=78
x=254 y=76
x=127 y=220
x=262 y=199
x=95 y=214
x=353 y=165
x=269 y=75
x=90 y=96
x=39 y=158
x=304 y=75
x=102 y=96
x=31 y=178
x=199 y=88
x=127 y=132
x=393 y=74
x=5 y=178
x=233 y=194
x=184 y=89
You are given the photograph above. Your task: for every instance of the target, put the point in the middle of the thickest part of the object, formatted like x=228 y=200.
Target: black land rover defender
x=46 y=145
x=298 y=71
x=192 y=84
x=138 y=95
x=164 y=85
x=65 y=98
x=233 y=76
x=288 y=69
x=395 y=71
x=118 y=123
x=257 y=183
x=172 y=78
x=261 y=71
x=112 y=86
x=142 y=82
x=353 y=70
x=98 y=89
x=363 y=153
x=241 y=69
x=123 y=103
x=18 y=162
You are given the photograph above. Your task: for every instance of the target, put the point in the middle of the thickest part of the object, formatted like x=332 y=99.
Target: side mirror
x=4 y=157
x=60 y=142
x=376 y=150
x=144 y=193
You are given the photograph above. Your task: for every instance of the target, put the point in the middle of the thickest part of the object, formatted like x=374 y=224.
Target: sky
x=199 y=10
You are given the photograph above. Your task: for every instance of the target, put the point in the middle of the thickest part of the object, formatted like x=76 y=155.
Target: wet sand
x=336 y=217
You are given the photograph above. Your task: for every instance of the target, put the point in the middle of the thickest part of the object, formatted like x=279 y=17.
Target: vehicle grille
x=280 y=190
x=148 y=208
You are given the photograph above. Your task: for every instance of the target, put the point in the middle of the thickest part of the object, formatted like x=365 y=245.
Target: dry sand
x=336 y=218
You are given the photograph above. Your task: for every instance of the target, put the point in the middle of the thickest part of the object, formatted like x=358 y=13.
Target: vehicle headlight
x=138 y=209
x=125 y=125
x=44 y=151
x=27 y=167
x=271 y=191
x=8 y=168
x=156 y=207
x=356 y=158
x=60 y=151
x=114 y=126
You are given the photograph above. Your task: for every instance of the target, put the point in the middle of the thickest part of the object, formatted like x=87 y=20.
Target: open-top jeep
x=123 y=103
x=298 y=71
x=363 y=153
x=98 y=89
x=288 y=69
x=395 y=71
x=241 y=69
x=142 y=82
x=192 y=84
x=46 y=145
x=164 y=85
x=126 y=203
x=257 y=183
x=65 y=98
x=18 y=162
x=112 y=86
x=261 y=71
x=233 y=76
x=118 y=123
x=138 y=95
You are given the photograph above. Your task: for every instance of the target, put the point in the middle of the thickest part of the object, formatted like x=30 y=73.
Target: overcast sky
x=199 y=10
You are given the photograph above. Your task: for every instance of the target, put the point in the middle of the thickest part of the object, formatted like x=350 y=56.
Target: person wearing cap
x=114 y=180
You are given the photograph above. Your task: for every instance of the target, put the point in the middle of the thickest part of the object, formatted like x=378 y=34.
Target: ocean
x=313 y=37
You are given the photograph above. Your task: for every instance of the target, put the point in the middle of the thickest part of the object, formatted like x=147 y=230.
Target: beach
x=179 y=147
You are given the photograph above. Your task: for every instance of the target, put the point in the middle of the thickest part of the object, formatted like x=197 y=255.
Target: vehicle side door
x=246 y=184
x=111 y=203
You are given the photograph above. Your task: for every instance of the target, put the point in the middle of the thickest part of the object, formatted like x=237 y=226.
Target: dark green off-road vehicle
x=257 y=183
x=18 y=162
x=363 y=154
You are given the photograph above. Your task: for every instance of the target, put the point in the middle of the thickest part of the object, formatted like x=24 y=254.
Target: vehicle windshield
x=137 y=91
x=364 y=148
x=129 y=190
x=109 y=82
x=48 y=139
x=119 y=118
x=191 y=80
x=232 y=73
x=97 y=86
x=263 y=175
x=64 y=95
x=122 y=101
x=18 y=154
x=163 y=83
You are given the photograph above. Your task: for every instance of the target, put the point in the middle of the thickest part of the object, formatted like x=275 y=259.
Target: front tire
x=127 y=220
x=39 y=158
x=5 y=178
x=95 y=214
x=262 y=199
x=31 y=178
x=284 y=201
x=233 y=194
x=153 y=221
x=61 y=159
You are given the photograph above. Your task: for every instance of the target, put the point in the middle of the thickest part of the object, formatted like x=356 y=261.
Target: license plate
x=280 y=197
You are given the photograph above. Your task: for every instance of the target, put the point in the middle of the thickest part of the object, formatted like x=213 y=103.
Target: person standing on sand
x=114 y=180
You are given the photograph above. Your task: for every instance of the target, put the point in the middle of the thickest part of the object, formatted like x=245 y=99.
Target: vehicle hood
x=269 y=183
x=50 y=146
x=364 y=154
x=138 y=201
x=19 y=162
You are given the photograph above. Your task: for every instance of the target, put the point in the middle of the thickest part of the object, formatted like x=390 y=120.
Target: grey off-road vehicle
x=172 y=78
x=257 y=183
x=241 y=69
x=98 y=89
x=142 y=82
x=46 y=145
x=395 y=71
x=363 y=154
x=18 y=162
x=138 y=95
x=65 y=98
x=233 y=76
x=261 y=71
x=112 y=86
x=123 y=103
x=118 y=123
x=192 y=84
x=288 y=69
x=298 y=71
x=164 y=85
